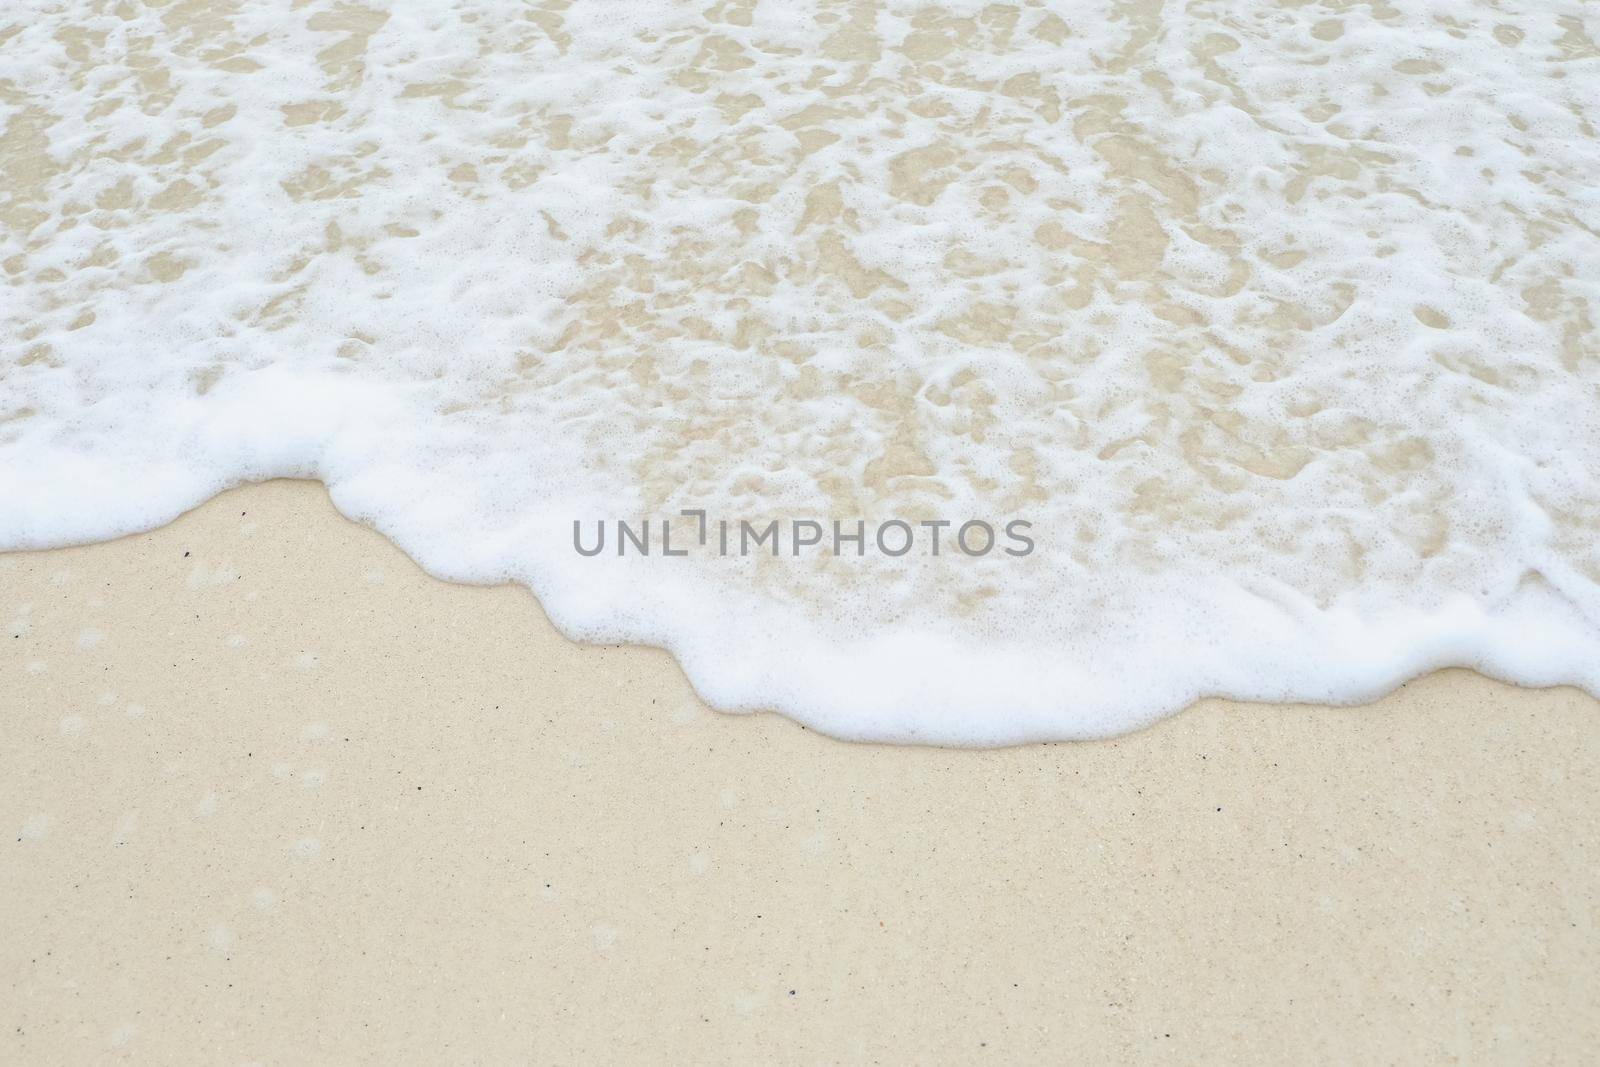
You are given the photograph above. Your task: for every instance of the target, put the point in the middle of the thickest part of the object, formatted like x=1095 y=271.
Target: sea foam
x=1276 y=323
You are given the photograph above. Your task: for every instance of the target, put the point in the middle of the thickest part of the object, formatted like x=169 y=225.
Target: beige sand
x=272 y=794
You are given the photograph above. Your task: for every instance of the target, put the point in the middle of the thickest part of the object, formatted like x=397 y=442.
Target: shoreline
x=289 y=493
x=288 y=795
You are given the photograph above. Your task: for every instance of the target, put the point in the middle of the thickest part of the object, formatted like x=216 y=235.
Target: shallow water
x=1274 y=325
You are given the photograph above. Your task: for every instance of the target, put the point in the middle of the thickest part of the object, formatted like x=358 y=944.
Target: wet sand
x=272 y=794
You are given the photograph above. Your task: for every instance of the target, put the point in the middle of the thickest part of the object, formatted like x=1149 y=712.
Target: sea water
x=1273 y=324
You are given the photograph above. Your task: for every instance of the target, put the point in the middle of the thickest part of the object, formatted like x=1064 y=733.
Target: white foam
x=1277 y=325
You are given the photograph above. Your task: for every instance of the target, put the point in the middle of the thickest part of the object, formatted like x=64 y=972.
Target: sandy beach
x=1232 y=349
x=274 y=795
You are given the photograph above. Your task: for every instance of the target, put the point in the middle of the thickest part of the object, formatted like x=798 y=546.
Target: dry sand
x=270 y=793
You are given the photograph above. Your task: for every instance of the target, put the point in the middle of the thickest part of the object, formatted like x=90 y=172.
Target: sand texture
x=272 y=794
